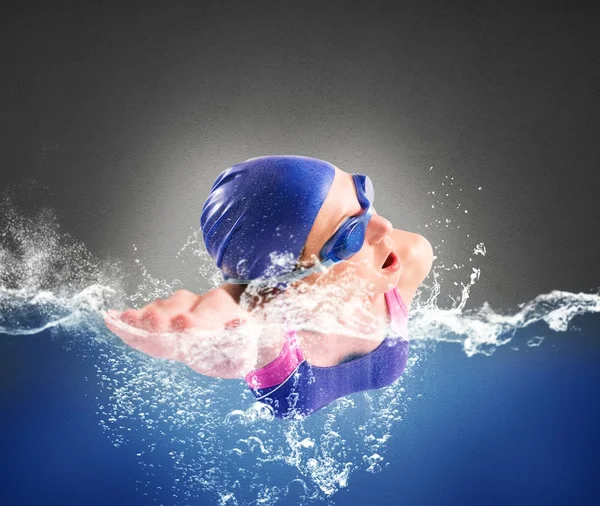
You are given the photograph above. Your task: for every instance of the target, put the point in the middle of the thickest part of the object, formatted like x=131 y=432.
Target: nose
x=378 y=229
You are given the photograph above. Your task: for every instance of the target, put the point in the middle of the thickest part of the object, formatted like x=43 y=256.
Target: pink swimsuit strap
x=398 y=312
x=281 y=368
x=291 y=355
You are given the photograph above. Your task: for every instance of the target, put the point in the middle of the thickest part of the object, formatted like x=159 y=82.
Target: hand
x=163 y=329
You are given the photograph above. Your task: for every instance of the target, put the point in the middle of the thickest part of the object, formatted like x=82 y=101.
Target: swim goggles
x=347 y=240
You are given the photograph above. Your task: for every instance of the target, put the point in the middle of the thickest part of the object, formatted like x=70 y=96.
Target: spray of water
x=210 y=431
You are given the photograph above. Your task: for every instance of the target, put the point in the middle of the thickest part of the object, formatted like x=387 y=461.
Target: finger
x=181 y=300
x=108 y=321
x=140 y=331
x=153 y=320
x=120 y=322
x=133 y=339
x=183 y=321
x=235 y=323
x=130 y=317
x=150 y=344
x=131 y=336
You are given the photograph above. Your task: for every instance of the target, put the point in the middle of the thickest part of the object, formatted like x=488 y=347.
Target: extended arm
x=179 y=328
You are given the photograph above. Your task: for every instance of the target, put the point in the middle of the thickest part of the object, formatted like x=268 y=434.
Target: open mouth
x=390 y=261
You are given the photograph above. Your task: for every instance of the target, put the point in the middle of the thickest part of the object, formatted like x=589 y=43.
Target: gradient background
x=128 y=113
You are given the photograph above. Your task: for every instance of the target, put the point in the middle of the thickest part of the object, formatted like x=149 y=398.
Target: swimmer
x=322 y=218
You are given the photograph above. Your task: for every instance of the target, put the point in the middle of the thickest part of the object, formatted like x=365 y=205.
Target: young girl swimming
x=322 y=219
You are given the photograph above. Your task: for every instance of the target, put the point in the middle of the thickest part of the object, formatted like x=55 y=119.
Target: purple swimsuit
x=292 y=386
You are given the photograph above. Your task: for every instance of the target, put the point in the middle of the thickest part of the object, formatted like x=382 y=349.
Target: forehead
x=341 y=198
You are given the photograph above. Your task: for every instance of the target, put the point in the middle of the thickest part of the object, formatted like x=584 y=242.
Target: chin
x=388 y=282
x=380 y=284
x=372 y=280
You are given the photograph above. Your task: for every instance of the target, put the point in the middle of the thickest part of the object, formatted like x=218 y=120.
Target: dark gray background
x=127 y=114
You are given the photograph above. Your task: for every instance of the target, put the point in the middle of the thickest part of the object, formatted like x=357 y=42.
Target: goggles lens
x=350 y=242
x=349 y=238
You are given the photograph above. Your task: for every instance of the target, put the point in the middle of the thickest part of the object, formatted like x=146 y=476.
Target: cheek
x=358 y=266
x=363 y=263
x=366 y=268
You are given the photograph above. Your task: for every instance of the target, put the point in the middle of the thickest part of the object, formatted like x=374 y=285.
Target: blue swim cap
x=261 y=206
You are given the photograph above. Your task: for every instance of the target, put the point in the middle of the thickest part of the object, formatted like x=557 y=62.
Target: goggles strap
x=292 y=276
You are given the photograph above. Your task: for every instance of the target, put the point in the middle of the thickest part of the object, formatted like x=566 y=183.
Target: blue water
x=518 y=427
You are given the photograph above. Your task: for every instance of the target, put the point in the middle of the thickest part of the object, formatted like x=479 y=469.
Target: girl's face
x=368 y=264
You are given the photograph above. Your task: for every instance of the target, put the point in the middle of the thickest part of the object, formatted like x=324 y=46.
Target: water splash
x=210 y=431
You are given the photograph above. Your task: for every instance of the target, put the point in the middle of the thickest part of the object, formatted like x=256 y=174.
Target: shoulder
x=416 y=255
